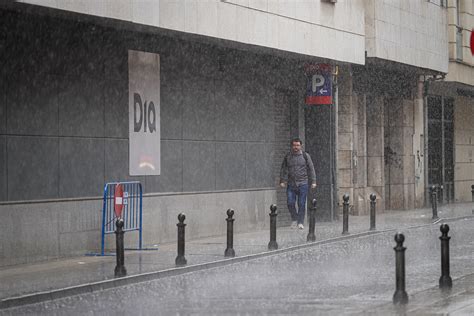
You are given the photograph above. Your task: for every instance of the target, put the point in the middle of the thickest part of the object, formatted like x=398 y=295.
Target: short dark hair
x=296 y=139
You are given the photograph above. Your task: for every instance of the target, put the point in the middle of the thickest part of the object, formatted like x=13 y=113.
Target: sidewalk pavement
x=29 y=283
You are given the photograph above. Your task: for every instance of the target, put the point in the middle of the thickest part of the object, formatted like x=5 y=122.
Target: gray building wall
x=64 y=130
x=379 y=137
x=65 y=108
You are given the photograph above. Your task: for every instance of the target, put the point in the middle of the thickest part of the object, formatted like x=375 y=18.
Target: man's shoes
x=300 y=226
x=293 y=224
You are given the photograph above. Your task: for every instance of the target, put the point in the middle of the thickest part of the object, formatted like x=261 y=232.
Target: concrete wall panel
x=34 y=163
x=199 y=172
x=77 y=52
x=230 y=166
x=463 y=171
x=81 y=108
x=231 y=113
x=409 y=194
x=171 y=112
x=116 y=108
x=375 y=144
x=464 y=153
x=259 y=161
x=259 y=114
x=344 y=180
x=409 y=169
x=345 y=141
x=36 y=234
x=345 y=159
x=375 y=171
x=361 y=171
x=199 y=110
x=397 y=198
x=3 y=168
x=32 y=104
x=462 y=190
x=3 y=99
x=171 y=177
x=345 y=122
x=81 y=167
x=116 y=161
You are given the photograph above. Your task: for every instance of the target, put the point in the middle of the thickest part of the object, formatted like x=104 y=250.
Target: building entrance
x=440 y=146
x=320 y=144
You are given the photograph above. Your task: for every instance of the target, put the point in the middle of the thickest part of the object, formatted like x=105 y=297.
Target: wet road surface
x=344 y=277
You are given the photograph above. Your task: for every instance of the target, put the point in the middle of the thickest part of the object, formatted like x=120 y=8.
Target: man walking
x=296 y=169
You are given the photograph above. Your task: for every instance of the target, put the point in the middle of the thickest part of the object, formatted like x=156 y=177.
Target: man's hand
x=282 y=184
x=313 y=186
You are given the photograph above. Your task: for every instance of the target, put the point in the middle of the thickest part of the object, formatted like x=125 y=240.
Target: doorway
x=320 y=144
x=440 y=114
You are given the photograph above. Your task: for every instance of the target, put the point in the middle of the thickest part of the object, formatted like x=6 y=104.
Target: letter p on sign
x=118 y=200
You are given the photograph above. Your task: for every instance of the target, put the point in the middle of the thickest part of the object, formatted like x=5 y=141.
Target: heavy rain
x=236 y=157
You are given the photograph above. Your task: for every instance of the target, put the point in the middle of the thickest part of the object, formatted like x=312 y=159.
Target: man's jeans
x=300 y=192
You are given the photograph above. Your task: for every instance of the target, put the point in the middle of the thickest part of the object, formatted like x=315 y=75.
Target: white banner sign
x=144 y=113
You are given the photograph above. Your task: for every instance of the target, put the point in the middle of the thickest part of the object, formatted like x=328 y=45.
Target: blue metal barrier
x=131 y=214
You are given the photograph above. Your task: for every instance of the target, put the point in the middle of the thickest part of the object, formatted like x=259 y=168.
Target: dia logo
x=146 y=117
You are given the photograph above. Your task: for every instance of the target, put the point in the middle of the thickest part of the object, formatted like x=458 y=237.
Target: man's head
x=296 y=145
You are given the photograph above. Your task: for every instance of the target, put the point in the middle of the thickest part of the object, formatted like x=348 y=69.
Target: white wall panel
x=410 y=32
x=270 y=23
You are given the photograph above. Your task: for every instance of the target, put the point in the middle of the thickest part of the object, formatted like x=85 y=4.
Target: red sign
x=118 y=200
x=472 y=41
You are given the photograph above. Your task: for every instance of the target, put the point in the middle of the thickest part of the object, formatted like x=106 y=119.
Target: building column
x=419 y=147
x=399 y=158
x=375 y=148
x=345 y=137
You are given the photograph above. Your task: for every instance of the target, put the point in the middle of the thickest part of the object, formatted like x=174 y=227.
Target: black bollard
x=372 y=211
x=345 y=214
x=120 y=270
x=445 y=281
x=180 y=259
x=400 y=296
x=434 y=202
x=312 y=220
x=229 y=252
x=272 y=245
x=440 y=194
x=472 y=192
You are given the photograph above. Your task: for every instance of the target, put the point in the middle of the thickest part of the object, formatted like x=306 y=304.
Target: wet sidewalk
x=34 y=282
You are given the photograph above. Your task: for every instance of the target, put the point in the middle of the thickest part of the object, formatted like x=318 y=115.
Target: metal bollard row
x=445 y=281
